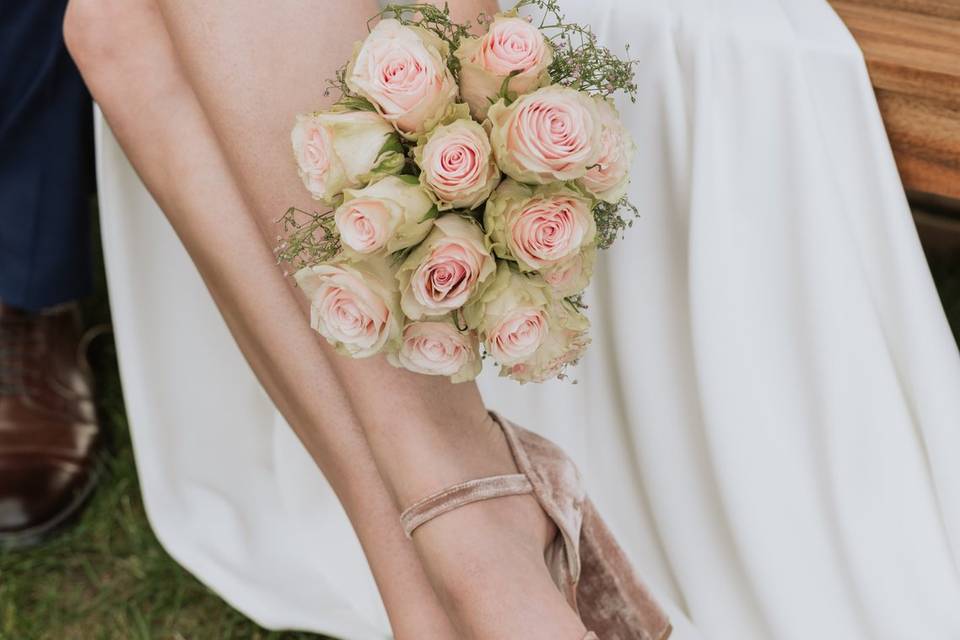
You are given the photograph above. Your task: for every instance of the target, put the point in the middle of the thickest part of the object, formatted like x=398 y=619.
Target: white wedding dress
x=769 y=415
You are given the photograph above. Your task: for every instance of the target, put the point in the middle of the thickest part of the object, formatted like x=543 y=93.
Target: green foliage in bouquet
x=581 y=62
x=434 y=19
x=402 y=258
x=611 y=220
x=307 y=238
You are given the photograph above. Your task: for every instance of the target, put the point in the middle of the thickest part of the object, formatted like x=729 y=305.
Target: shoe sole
x=38 y=534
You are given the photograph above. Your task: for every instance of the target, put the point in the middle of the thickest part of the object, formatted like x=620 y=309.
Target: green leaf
x=398 y=257
x=429 y=215
x=392 y=143
x=508 y=96
x=355 y=103
x=390 y=162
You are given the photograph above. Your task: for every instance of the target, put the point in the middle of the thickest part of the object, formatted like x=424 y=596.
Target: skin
x=169 y=141
x=201 y=95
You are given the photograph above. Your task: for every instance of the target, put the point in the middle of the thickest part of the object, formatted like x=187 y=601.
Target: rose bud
x=563 y=346
x=511 y=315
x=571 y=276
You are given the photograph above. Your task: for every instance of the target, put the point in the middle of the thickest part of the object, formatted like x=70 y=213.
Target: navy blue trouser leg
x=46 y=160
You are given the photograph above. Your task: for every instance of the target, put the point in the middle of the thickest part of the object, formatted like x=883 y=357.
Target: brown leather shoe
x=50 y=440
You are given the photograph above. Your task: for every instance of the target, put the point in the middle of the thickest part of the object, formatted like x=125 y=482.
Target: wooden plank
x=912 y=50
x=938 y=8
x=925 y=137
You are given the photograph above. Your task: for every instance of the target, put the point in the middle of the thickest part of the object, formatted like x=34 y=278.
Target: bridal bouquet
x=471 y=180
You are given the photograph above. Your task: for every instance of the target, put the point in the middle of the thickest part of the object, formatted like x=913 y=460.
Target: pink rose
x=517 y=335
x=403 y=71
x=337 y=150
x=314 y=151
x=607 y=178
x=365 y=224
x=511 y=315
x=353 y=305
x=549 y=135
x=549 y=230
x=538 y=227
x=445 y=270
x=439 y=348
x=457 y=165
x=571 y=276
x=561 y=348
x=511 y=45
x=386 y=216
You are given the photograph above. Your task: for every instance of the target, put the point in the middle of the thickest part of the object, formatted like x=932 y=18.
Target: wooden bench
x=912 y=51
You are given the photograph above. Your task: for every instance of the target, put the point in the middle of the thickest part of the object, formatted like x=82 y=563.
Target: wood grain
x=938 y=8
x=912 y=50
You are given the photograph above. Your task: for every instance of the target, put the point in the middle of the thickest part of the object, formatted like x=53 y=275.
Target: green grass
x=107 y=577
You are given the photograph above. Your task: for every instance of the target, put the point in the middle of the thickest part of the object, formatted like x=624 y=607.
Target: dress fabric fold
x=768 y=416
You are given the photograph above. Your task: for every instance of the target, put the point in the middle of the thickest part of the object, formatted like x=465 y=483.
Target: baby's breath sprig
x=308 y=238
x=613 y=219
x=579 y=60
x=338 y=86
x=346 y=100
x=432 y=18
